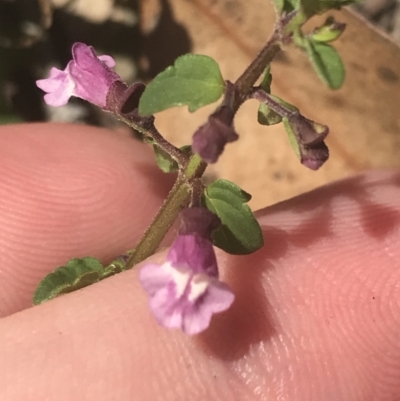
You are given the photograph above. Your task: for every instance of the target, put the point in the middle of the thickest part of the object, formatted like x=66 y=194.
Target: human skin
x=317 y=310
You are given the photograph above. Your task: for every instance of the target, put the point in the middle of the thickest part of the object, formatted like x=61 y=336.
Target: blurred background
x=146 y=36
x=38 y=34
x=385 y=14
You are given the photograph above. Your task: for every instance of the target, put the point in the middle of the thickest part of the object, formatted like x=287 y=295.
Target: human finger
x=69 y=191
x=316 y=316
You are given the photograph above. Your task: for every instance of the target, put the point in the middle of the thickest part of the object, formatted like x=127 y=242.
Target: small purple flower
x=314 y=156
x=310 y=137
x=185 y=291
x=87 y=76
x=210 y=139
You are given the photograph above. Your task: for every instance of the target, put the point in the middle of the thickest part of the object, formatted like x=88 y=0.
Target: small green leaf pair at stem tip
x=323 y=56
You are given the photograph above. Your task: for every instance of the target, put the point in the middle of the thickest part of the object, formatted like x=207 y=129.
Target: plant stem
x=161 y=223
x=197 y=193
x=265 y=98
x=149 y=130
x=168 y=147
x=176 y=200
x=249 y=77
x=195 y=166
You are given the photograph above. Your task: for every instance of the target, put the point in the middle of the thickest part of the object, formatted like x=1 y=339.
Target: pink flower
x=87 y=76
x=185 y=291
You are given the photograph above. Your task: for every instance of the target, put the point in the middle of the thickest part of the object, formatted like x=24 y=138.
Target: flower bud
x=210 y=139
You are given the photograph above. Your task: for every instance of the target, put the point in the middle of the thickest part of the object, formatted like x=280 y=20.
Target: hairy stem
x=265 y=98
x=161 y=223
x=195 y=166
x=168 y=147
x=147 y=128
x=176 y=200
x=249 y=77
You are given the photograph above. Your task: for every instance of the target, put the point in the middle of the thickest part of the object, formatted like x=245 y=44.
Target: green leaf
x=194 y=80
x=239 y=233
x=313 y=7
x=76 y=274
x=266 y=80
x=326 y=62
x=267 y=116
x=291 y=5
x=328 y=32
x=287 y=6
x=292 y=137
x=279 y=5
x=165 y=161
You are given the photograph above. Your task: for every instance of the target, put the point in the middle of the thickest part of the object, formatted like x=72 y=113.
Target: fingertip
x=322 y=295
x=69 y=191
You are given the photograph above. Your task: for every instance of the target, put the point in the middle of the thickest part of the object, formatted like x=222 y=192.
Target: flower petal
x=154 y=277
x=196 y=252
x=166 y=287
x=217 y=298
x=59 y=87
x=185 y=291
x=86 y=76
x=54 y=81
x=107 y=60
x=166 y=307
x=83 y=55
x=92 y=76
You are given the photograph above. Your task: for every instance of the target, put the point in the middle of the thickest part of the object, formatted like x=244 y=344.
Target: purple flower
x=309 y=135
x=185 y=291
x=210 y=139
x=87 y=76
x=314 y=156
